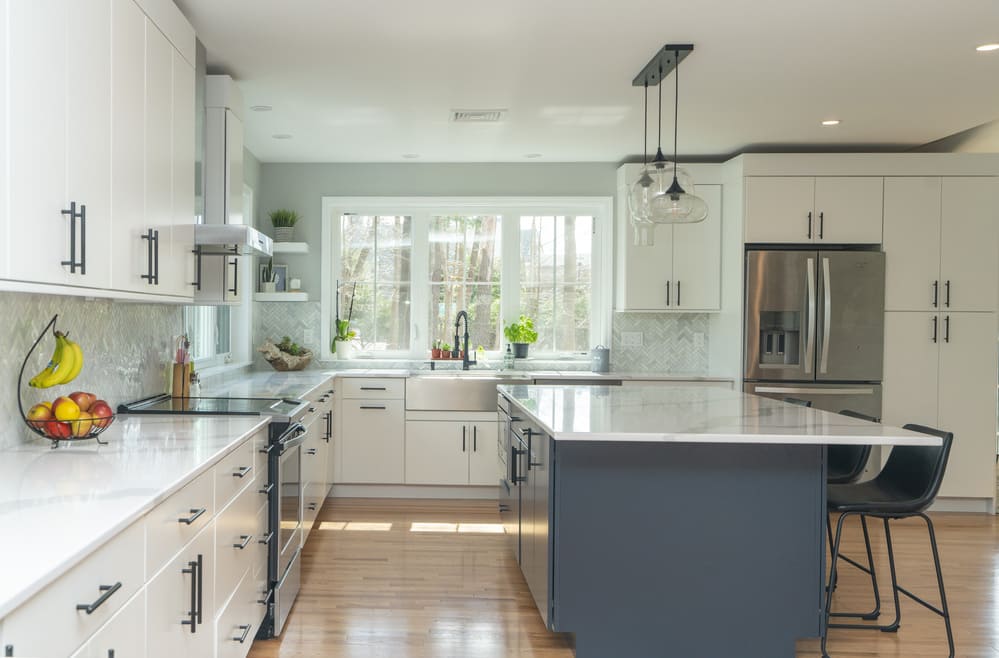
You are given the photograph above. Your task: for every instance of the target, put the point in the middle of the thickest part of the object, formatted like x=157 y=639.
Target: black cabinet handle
x=372 y=388
x=947 y=329
x=246 y=540
x=156 y=258
x=242 y=471
x=266 y=540
x=936 y=320
x=464 y=430
x=201 y=583
x=667 y=293
x=329 y=426
x=312 y=507
x=267 y=490
x=475 y=438
x=197 y=268
x=150 y=238
x=108 y=592
x=110 y=653
x=936 y=293
x=678 y=293
x=235 y=277
x=311 y=451
x=373 y=406
x=809 y=224
x=822 y=225
x=268 y=595
x=195 y=513
x=947 y=294
x=74 y=215
x=242 y=637
x=192 y=615
x=515 y=458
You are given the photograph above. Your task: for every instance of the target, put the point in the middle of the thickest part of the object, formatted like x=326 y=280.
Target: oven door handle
x=293 y=436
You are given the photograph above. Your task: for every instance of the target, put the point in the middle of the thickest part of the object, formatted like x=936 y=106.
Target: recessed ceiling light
x=281 y=136
x=987 y=47
x=532 y=155
x=410 y=156
x=261 y=108
x=831 y=122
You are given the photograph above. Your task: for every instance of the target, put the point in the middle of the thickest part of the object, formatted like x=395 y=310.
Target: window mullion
x=419 y=281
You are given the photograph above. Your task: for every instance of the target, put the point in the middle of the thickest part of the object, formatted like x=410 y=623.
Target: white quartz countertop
x=692 y=415
x=268 y=384
x=58 y=506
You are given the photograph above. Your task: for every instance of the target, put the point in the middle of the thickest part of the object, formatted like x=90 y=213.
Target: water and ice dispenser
x=780 y=338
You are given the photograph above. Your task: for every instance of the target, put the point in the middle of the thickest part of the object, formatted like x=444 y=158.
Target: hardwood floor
x=373 y=587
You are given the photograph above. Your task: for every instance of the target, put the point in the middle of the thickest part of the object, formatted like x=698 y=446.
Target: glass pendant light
x=639 y=196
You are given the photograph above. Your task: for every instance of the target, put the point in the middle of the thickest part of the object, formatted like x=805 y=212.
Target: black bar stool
x=906 y=487
x=845 y=464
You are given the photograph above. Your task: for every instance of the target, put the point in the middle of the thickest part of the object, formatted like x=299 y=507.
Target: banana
x=72 y=372
x=64 y=364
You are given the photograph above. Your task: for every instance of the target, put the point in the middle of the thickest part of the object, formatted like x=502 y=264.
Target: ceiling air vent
x=477 y=116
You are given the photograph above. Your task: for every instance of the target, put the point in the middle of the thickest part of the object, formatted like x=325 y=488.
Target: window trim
x=601 y=208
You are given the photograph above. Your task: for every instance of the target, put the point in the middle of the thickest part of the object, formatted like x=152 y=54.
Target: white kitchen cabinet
x=969 y=244
x=681 y=271
x=912 y=243
x=940 y=371
x=158 y=169
x=4 y=146
x=235 y=545
x=169 y=600
x=239 y=621
x=124 y=636
x=805 y=209
x=372 y=441
x=967 y=394
x=178 y=276
x=451 y=452
x=59 y=137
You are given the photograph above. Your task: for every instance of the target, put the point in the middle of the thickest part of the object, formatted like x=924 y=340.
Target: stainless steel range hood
x=231 y=240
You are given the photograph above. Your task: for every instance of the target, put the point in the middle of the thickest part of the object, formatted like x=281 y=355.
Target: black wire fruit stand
x=47 y=428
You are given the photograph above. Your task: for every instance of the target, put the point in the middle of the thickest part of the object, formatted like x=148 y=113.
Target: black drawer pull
x=311 y=451
x=373 y=406
x=242 y=471
x=267 y=490
x=108 y=590
x=268 y=595
x=246 y=631
x=266 y=540
x=312 y=507
x=246 y=540
x=195 y=513
x=373 y=388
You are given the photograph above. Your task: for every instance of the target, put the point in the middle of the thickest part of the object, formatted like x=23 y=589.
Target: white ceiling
x=370 y=81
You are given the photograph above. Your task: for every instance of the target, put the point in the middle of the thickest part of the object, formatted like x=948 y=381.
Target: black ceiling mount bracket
x=662 y=64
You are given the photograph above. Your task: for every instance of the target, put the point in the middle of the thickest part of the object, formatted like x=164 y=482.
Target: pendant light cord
x=659 y=138
x=676 y=108
x=645 y=128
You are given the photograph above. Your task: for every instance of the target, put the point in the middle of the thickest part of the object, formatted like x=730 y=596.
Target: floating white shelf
x=291 y=247
x=281 y=297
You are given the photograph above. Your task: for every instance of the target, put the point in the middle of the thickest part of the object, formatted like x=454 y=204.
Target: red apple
x=83 y=399
x=101 y=413
x=38 y=414
x=58 y=430
x=81 y=426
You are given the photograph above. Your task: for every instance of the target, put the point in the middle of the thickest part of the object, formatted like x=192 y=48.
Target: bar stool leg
x=832 y=579
x=892 y=627
x=876 y=612
x=940 y=583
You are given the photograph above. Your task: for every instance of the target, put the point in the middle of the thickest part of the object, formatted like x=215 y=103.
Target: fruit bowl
x=70 y=430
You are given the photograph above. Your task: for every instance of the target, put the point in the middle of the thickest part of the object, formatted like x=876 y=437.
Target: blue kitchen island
x=666 y=521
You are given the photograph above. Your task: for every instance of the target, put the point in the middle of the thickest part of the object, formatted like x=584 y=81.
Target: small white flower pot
x=268 y=286
x=284 y=234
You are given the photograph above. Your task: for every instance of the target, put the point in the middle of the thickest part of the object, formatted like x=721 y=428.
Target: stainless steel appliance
x=284 y=486
x=815 y=327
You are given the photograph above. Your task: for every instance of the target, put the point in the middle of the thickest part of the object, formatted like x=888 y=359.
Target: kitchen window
x=208 y=329
x=411 y=264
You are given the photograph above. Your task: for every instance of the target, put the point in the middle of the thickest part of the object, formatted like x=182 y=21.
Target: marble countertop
x=692 y=415
x=58 y=506
x=267 y=384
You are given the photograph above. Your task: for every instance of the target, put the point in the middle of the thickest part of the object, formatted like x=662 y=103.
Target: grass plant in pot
x=521 y=334
x=284 y=222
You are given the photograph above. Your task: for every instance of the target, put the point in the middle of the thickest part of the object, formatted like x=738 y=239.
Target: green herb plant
x=521 y=331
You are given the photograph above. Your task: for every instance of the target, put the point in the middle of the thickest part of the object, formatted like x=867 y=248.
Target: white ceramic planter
x=268 y=286
x=284 y=234
x=344 y=349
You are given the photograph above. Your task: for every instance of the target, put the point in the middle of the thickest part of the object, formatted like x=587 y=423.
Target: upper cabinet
x=941 y=238
x=681 y=271
x=92 y=142
x=806 y=209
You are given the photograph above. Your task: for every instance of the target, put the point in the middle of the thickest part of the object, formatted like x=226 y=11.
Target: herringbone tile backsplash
x=127 y=349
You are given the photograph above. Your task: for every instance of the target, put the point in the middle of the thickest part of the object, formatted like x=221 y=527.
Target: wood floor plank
x=383 y=590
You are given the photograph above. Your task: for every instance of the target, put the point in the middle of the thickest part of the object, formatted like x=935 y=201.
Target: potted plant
x=521 y=334
x=342 y=333
x=435 y=350
x=284 y=222
x=446 y=350
x=269 y=283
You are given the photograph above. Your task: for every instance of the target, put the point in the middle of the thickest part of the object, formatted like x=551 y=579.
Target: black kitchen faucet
x=465 y=361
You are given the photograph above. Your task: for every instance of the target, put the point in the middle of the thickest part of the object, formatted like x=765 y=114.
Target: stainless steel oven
x=284 y=568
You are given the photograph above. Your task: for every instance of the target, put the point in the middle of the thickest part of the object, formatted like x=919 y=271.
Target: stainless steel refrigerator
x=815 y=327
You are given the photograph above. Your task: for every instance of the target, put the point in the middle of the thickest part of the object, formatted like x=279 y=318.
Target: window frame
x=420 y=209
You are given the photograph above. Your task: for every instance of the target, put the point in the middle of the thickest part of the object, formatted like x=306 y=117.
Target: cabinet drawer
x=239 y=620
x=233 y=473
x=51 y=623
x=260 y=544
x=373 y=389
x=176 y=521
x=235 y=542
x=322 y=393
x=123 y=636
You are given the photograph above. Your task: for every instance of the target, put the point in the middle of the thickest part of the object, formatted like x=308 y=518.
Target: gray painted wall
x=980 y=139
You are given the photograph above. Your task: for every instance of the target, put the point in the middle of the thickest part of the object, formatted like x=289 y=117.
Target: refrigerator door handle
x=826 y=316
x=810 y=333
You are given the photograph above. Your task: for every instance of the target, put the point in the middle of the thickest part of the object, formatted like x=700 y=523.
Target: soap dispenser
x=508 y=358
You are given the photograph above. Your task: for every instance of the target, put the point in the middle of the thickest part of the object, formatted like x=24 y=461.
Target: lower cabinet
x=124 y=636
x=239 y=620
x=372 y=442
x=451 y=452
x=180 y=602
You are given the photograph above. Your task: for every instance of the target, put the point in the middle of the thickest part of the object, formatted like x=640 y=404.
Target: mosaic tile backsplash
x=670 y=340
x=127 y=349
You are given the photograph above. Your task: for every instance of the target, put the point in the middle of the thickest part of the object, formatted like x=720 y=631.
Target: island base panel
x=687 y=550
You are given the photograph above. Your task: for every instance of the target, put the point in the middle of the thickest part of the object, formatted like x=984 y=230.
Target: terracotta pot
x=435 y=353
